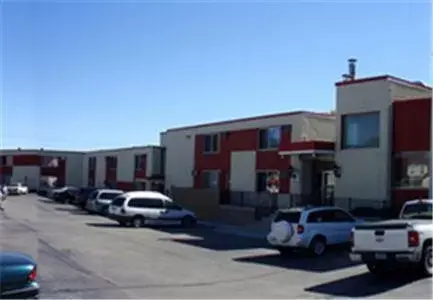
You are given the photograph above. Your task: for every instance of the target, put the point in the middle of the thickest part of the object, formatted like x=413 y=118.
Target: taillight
x=33 y=274
x=300 y=229
x=413 y=239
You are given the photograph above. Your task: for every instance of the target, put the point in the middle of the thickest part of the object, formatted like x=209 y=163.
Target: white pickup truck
x=384 y=245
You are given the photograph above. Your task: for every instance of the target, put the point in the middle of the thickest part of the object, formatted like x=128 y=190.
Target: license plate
x=381 y=256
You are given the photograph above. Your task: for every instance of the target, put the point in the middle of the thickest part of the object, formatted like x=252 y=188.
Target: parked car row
x=382 y=246
x=136 y=208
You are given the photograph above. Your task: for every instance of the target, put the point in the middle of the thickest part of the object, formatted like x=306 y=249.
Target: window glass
x=93 y=195
x=411 y=170
x=211 y=143
x=173 y=206
x=288 y=216
x=210 y=179
x=316 y=217
x=268 y=181
x=341 y=216
x=118 y=201
x=145 y=203
x=360 y=130
x=420 y=210
x=109 y=196
x=269 y=138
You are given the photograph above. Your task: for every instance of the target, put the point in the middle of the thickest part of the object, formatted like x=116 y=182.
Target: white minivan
x=140 y=208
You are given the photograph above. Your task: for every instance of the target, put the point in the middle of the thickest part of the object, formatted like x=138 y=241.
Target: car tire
x=318 y=246
x=104 y=211
x=188 y=221
x=426 y=260
x=137 y=222
x=122 y=224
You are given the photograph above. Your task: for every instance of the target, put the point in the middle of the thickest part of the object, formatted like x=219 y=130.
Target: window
x=118 y=201
x=146 y=203
x=288 y=216
x=93 y=195
x=172 y=206
x=269 y=138
x=268 y=181
x=360 y=130
x=422 y=210
x=411 y=170
x=210 y=179
x=341 y=216
x=50 y=161
x=316 y=217
x=108 y=196
x=111 y=162
x=3 y=161
x=211 y=143
x=140 y=162
x=92 y=163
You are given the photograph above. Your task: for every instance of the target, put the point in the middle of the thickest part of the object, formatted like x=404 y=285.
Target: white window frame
x=268 y=146
x=215 y=147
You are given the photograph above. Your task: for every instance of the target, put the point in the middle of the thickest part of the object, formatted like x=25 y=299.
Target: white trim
x=312 y=152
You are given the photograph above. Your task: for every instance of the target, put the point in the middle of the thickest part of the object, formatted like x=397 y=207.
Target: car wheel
x=104 y=211
x=138 y=222
x=318 y=246
x=122 y=224
x=426 y=261
x=188 y=221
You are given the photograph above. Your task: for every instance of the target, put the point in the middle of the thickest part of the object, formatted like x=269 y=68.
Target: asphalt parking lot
x=88 y=256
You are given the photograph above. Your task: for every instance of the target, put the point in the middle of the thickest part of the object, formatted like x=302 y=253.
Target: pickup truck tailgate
x=381 y=236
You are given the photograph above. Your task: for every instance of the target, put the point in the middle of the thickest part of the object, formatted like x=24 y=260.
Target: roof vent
x=351 y=75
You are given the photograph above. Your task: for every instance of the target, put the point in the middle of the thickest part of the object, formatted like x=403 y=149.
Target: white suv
x=145 y=207
x=311 y=228
x=100 y=200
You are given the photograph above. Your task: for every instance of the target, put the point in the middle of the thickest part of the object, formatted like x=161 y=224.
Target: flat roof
x=122 y=149
x=40 y=150
x=255 y=118
x=398 y=80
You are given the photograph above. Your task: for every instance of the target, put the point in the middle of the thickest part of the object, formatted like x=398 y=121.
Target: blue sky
x=97 y=75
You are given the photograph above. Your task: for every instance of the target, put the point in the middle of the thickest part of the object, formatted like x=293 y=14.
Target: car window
x=118 y=201
x=171 y=205
x=317 y=217
x=340 y=216
x=288 y=216
x=93 y=195
x=422 y=210
x=145 y=203
x=108 y=196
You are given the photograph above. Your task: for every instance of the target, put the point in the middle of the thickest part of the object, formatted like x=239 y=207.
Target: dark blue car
x=18 y=276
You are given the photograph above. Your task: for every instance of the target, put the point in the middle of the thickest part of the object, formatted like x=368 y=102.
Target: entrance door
x=328 y=185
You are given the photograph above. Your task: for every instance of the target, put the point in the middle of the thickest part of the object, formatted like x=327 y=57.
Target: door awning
x=307 y=147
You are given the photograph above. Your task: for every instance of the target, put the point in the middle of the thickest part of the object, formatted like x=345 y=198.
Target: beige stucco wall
x=125 y=163
x=73 y=166
x=180 y=144
x=366 y=173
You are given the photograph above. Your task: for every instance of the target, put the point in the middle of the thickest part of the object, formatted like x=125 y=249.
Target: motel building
x=373 y=151
x=125 y=168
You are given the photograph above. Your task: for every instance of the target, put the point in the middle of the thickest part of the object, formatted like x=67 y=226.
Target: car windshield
x=118 y=201
x=109 y=196
x=288 y=216
x=422 y=210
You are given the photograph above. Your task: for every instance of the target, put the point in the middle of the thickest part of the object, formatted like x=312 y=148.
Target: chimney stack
x=352 y=68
